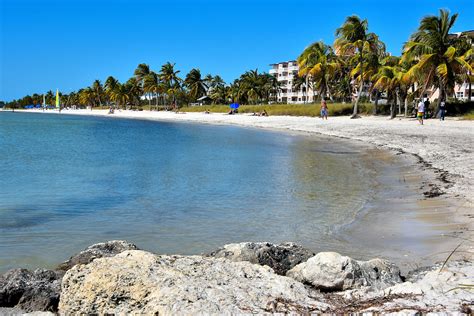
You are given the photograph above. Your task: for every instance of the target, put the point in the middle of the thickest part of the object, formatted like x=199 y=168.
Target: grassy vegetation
x=468 y=116
x=285 y=109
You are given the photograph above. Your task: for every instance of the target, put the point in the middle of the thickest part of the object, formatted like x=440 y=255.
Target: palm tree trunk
x=354 y=114
x=406 y=106
x=306 y=89
x=470 y=88
x=393 y=106
x=376 y=102
x=399 y=100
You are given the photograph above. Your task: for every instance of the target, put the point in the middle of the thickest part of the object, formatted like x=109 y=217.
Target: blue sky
x=67 y=44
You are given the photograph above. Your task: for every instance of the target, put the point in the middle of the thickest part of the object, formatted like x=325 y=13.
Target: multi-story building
x=285 y=72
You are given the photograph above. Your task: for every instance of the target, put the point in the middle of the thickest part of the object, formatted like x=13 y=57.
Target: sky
x=66 y=45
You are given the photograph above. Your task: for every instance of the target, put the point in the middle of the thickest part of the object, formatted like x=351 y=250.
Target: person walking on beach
x=421 y=111
x=324 y=109
x=442 y=110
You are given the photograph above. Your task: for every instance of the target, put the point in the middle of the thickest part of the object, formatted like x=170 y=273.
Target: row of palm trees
x=358 y=63
x=167 y=89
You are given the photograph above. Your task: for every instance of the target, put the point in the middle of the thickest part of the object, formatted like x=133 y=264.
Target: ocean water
x=67 y=182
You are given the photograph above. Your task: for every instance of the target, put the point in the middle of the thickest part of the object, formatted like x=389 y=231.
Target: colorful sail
x=57 y=98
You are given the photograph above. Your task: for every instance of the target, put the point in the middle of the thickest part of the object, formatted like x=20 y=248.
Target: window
x=460 y=94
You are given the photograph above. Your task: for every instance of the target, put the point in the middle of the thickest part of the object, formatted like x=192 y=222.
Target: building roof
x=284 y=62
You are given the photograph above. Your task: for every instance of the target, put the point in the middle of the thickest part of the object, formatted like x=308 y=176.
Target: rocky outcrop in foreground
x=39 y=290
x=238 y=278
x=141 y=282
x=280 y=258
x=30 y=290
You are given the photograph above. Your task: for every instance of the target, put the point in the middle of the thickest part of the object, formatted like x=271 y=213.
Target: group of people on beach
x=263 y=113
x=423 y=106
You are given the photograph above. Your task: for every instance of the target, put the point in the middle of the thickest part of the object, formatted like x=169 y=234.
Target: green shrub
x=312 y=110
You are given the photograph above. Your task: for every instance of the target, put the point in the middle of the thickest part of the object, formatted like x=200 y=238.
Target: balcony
x=273 y=71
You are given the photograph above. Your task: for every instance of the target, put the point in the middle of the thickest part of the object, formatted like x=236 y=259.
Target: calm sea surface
x=67 y=182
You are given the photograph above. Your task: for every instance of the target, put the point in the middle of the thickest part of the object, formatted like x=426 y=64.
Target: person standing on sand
x=421 y=111
x=324 y=109
x=442 y=110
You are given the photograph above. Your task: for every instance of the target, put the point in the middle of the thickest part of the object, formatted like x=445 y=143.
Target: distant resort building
x=286 y=72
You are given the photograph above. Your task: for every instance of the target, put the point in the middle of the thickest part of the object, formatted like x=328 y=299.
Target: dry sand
x=444 y=148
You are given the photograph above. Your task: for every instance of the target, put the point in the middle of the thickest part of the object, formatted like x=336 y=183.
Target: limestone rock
x=140 y=282
x=280 y=258
x=327 y=271
x=379 y=274
x=106 y=249
x=30 y=291
x=330 y=271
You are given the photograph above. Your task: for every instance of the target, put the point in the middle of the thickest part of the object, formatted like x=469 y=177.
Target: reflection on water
x=68 y=182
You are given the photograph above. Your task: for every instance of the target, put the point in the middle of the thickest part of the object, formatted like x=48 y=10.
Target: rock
x=433 y=291
x=30 y=291
x=327 y=271
x=140 y=282
x=379 y=274
x=330 y=271
x=106 y=249
x=280 y=258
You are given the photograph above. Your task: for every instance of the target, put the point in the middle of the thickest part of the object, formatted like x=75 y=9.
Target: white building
x=285 y=72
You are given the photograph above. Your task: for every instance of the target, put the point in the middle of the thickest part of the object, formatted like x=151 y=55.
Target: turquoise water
x=67 y=182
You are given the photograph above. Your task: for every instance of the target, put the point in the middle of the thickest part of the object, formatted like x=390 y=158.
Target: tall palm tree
x=217 y=81
x=110 y=85
x=86 y=97
x=98 y=91
x=318 y=63
x=151 y=84
x=120 y=95
x=170 y=78
x=219 y=94
x=251 y=86
x=134 y=90
x=299 y=84
x=353 y=39
x=195 y=84
x=140 y=73
x=439 y=57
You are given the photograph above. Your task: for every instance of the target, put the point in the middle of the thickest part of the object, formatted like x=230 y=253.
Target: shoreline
x=441 y=149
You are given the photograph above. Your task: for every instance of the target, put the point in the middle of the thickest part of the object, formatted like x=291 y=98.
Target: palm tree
x=151 y=84
x=318 y=63
x=86 y=97
x=219 y=94
x=299 y=83
x=140 y=73
x=110 y=85
x=120 y=95
x=354 y=40
x=98 y=91
x=195 y=84
x=251 y=86
x=439 y=57
x=134 y=90
x=217 y=81
x=170 y=78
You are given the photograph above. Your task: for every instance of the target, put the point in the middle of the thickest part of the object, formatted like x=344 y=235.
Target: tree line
x=356 y=65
